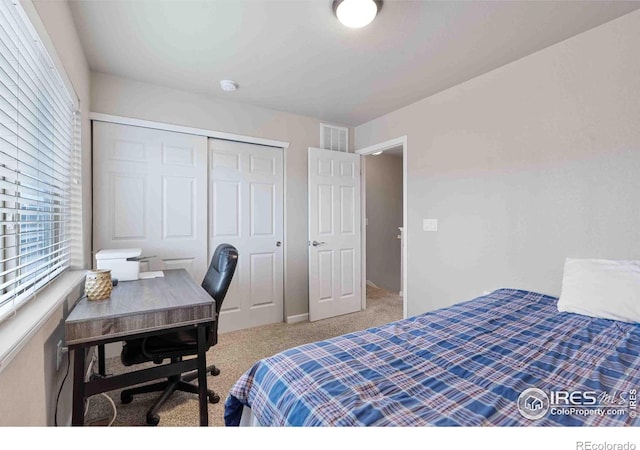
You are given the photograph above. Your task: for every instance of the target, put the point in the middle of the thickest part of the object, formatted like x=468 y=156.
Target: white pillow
x=604 y=288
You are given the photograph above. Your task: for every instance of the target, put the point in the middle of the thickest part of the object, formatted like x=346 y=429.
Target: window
x=38 y=158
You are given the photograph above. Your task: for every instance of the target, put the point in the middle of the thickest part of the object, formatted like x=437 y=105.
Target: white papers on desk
x=147 y=275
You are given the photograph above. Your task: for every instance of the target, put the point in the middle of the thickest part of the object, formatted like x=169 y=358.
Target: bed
x=465 y=365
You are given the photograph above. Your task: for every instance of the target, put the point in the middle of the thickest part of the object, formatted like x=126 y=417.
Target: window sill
x=16 y=331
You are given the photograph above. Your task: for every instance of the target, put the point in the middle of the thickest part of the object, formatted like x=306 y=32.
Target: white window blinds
x=37 y=156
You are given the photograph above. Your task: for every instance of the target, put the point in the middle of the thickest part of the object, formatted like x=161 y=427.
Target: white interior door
x=246 y=205
x=150 y=189
x=335 y=263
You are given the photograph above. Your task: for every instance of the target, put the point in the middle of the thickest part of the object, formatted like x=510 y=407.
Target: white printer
x=124 y=263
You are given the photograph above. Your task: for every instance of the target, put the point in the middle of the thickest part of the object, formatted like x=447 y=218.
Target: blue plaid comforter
x=465 y=365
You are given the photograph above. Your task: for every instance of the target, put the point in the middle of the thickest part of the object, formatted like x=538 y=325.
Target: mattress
x=508 y=358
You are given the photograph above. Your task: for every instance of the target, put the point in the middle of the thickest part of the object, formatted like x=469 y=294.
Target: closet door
x=246 y=205
x=150 y=192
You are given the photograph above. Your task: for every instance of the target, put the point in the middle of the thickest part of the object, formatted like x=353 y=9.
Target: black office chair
x=176 y=345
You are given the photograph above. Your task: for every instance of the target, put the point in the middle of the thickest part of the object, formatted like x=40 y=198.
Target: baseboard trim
x=372 y=284
x=298 y=318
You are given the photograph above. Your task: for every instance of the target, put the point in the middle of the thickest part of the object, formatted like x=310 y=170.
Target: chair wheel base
x=215 y=372
x=214 y=398
x=153 y=419
x=125 y=398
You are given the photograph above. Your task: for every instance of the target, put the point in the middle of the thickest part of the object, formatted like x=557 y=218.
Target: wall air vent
x=334 y=138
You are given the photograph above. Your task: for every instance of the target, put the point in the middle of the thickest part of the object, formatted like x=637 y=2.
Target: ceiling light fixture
x=356 y=13
x=228 y=85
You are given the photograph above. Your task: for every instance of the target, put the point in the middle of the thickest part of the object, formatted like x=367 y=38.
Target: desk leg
x=202 y=376
x=77 y=416
x=102 y=367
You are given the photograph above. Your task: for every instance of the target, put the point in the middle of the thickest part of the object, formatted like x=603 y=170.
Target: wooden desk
x=136 y=309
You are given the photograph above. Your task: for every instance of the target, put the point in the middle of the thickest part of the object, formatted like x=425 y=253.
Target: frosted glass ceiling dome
x=356 y=13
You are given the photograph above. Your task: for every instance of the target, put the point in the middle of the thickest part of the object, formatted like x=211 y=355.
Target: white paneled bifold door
x=150 y=192
x=335 y=265
x=178 y=196
x=246 y=207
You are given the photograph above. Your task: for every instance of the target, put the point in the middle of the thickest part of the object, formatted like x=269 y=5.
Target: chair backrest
x=220 y=273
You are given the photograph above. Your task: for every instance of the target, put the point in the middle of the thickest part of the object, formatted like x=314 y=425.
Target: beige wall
x=384 y=216
x=30 y=383
x=122 y=97
x=523 y=166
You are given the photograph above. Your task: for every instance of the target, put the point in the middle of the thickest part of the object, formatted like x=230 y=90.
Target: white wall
x=29 y=385
x=129 y=98
x=384 y=215
x=523 y=166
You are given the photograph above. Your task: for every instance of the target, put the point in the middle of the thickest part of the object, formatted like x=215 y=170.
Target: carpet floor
x=234 y=354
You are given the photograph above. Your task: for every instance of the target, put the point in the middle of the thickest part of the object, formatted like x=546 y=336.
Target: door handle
x=278 y=244
x=317 y=244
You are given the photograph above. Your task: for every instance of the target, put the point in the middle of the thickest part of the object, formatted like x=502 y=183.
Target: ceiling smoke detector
x=228 y=85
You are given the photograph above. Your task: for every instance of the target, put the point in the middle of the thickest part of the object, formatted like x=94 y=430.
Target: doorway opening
x=384 y=219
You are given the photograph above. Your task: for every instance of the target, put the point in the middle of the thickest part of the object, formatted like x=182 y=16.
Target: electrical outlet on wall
x=60 y=351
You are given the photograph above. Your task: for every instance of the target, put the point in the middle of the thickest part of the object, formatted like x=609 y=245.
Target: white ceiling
x=293 y=55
